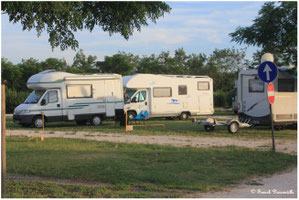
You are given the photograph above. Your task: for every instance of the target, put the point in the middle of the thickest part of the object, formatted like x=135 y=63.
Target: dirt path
x=281 y=185
x=287 y=146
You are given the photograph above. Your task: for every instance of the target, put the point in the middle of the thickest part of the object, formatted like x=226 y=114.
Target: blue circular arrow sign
x=267 y=71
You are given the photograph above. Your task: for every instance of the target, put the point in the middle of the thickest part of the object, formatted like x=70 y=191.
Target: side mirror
x=43 y=102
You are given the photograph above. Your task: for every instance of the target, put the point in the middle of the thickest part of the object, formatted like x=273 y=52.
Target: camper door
x=51 y=105
x=254 y=96
x=205 y=97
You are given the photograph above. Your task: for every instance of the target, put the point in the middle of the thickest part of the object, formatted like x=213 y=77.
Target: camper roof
x=254 y=71
x=148 y=80
x=50 y=76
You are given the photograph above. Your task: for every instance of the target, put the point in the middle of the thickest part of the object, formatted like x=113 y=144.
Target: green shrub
x=14 y=98
x=219 y=99
x=223 y=99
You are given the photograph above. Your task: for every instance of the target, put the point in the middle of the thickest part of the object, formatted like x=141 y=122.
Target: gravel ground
x=287 y=146
x=281 y=185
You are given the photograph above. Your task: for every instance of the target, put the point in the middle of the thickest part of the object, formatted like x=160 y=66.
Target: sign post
x=271 y=98
x=267 y=72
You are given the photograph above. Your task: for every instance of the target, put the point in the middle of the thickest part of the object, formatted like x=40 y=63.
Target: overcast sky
x=197 y=27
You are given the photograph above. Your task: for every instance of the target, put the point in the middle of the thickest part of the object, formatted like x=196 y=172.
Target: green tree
x=275 y=30
x=62 y=19
x=53 y=63
x=118 y=63
x=83 y=64
x=151 y=65
x=28 y=68
x=223 y=66
x=196 y=64
x=180 y=57
x=11 y=73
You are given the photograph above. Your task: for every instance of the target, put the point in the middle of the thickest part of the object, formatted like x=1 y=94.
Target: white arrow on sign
x=267 y=70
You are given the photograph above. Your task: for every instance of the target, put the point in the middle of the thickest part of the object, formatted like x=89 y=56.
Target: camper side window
x=286 y=85
x=50 y=97
x=182 y=89
x=140 y=96
x=256 y=85
x=53 y=97
x=79 y=91
x=162 y=92
x=203 y=85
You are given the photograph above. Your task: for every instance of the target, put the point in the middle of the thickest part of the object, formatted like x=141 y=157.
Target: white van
x=252 y=100
x=64 y=96
x=168 y=95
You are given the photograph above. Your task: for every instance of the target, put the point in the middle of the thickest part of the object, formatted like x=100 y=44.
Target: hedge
x=14 y=98
x=223 y=99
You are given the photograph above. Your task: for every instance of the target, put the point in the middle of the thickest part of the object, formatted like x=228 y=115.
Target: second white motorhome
x=168 y=95
x=63 y=96
x=252 y=101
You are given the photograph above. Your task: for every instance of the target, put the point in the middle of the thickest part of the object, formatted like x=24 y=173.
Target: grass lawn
x=173 y=127
x=132 y=170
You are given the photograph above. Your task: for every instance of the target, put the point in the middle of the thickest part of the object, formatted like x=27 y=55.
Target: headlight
x=21 y=112
x=24 y=112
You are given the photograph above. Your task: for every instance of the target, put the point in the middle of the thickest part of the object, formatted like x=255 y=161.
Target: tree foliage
x=222 y=65
x=62 y=19
x=83 y=63
x=275 y=30
x=119 y=63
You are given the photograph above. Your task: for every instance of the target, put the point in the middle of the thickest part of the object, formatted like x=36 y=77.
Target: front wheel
x=37 y=122
x=184 y=116
x=233 y=127
x=96 y=120
x=131 y=115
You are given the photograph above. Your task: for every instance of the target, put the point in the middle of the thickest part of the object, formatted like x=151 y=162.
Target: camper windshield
x=34 y=97
x=128 y=94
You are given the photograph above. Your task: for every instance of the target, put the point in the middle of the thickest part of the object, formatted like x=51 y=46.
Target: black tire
x=37 y=122
x=96 y=120
x=184 y=116
x=209 y=128
x=81 y=122
x=233 y=127
x=131 y=114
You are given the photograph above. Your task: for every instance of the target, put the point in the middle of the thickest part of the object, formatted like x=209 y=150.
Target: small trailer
x=232 y=125
x=252 y=103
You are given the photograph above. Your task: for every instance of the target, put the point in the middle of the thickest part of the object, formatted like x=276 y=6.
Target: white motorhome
x=168 y=95
x=252 y=100
x=64 y=96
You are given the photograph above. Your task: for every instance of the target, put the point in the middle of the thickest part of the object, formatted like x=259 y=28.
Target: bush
x=14 y=98
x=219 y=98
x=223 y=99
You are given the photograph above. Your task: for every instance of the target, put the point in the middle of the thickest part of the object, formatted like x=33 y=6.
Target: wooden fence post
x=3 y=140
